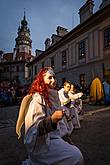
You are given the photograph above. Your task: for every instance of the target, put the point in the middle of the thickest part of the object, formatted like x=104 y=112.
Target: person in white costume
x=76 y=105
x=45 y=127
x=65 y=104
x=67 y=99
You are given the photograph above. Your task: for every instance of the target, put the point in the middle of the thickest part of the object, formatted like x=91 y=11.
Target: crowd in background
x=13 y=92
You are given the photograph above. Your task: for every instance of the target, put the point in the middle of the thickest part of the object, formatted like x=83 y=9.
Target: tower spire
x=24 y=14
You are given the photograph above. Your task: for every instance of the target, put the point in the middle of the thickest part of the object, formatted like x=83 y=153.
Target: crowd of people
x=98 y=92
x=12 y=94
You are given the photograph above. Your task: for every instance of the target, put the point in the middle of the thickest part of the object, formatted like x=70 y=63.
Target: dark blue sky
x=43 y=17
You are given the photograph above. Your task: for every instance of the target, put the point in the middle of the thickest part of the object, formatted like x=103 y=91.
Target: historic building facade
x=81 y=54
x=13 y=65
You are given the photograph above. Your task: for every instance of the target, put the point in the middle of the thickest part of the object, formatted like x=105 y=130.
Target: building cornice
x=12 y=62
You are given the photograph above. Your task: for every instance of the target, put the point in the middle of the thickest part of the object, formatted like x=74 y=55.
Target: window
x=64 y=57
x=82 y=79
x=4 y=59
x=17 y=50
x=6 y=69
x=13 y=68
x=35 y=70
x=30 y=73
x=43 y=64
x=17 y=68
x=82 y=49
x=63 y=80
x=20 y=58
x=52 y=62
x=20 y=68
x=107 y=37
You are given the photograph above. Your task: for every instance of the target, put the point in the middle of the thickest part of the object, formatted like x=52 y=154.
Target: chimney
x=104 y=3
x=61 y=31
x=38 y=52
x=86 y=10
x=55 y=38
x=47 y=43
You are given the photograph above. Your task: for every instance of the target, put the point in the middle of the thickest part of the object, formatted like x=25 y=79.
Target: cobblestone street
x=93 y=138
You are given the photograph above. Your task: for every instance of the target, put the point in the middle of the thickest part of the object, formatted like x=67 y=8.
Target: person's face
x=50 y=80
x=67 y=87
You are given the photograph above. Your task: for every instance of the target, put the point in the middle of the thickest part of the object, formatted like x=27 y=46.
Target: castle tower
x=22 y=50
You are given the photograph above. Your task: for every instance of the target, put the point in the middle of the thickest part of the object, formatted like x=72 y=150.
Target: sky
x=43 y=16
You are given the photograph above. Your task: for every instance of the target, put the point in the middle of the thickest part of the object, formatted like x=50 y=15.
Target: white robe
x=77 y=105
x=73 y=112
x=50 y=148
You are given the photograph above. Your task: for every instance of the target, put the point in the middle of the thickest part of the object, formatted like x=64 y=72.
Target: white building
x=81 y=54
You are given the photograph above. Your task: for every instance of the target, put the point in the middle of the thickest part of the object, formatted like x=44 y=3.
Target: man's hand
x=57 y=115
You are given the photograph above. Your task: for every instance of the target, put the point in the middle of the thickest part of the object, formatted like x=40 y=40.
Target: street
x=93 y=138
